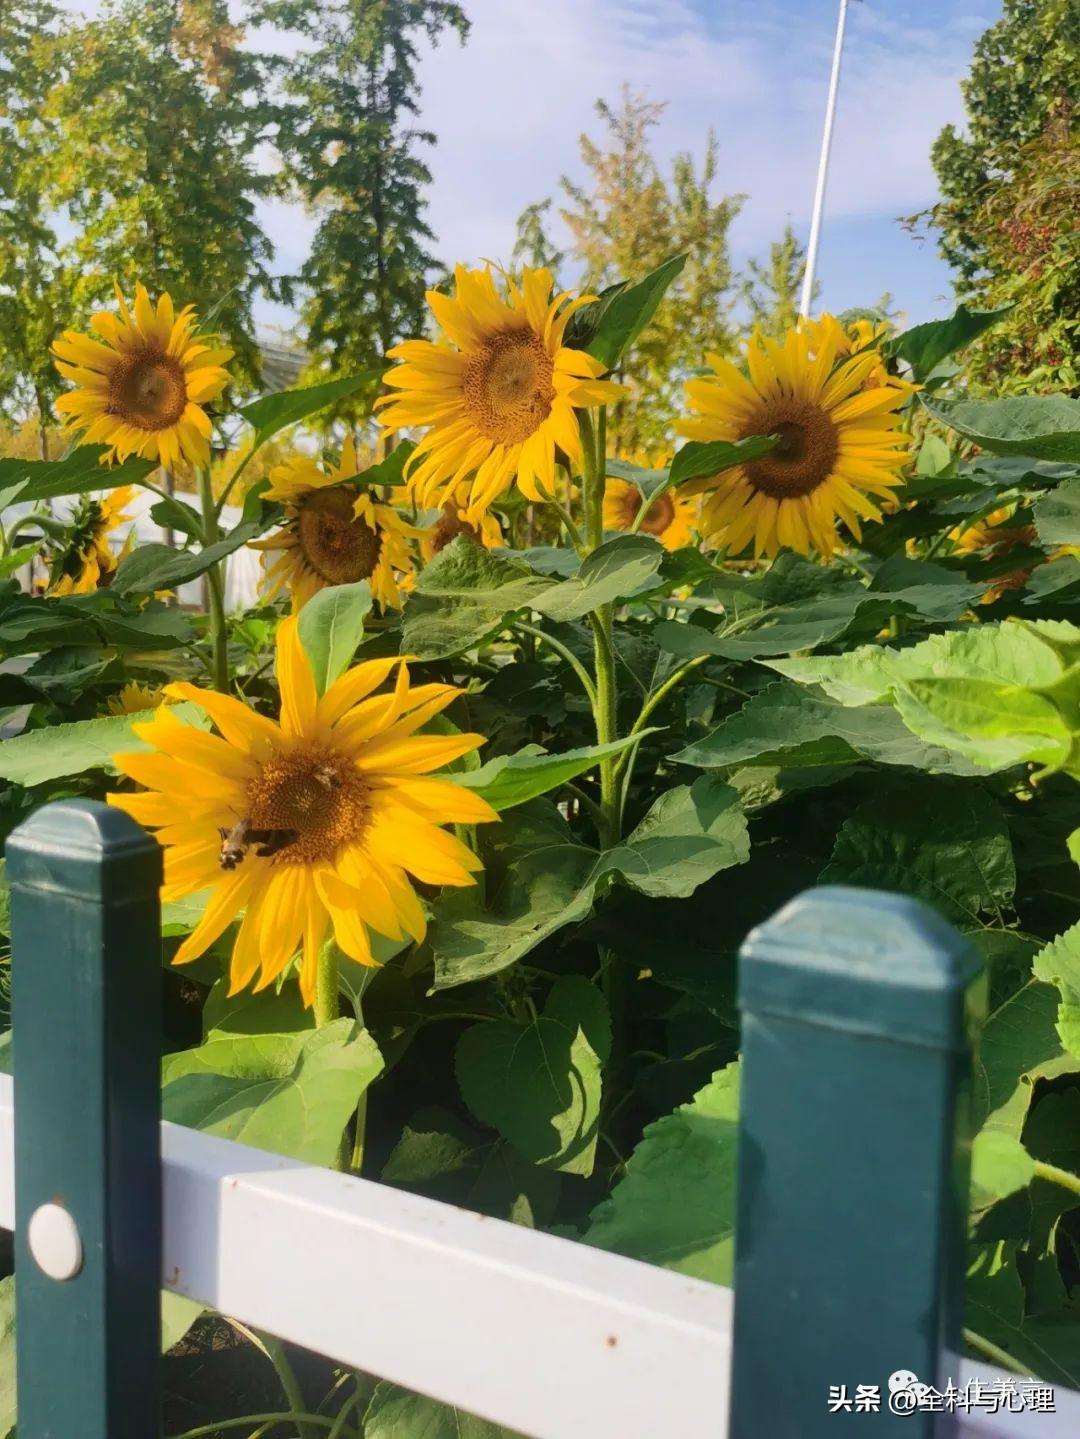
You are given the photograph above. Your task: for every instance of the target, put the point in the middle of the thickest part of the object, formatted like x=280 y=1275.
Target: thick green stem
x=327 y=1003
x=215 y=583
x=1053 y=1175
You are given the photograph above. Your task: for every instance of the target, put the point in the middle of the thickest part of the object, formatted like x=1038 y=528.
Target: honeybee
x=327 y=777
x=235 y=842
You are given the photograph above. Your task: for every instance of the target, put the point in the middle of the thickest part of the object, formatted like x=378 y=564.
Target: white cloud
x=508 y=106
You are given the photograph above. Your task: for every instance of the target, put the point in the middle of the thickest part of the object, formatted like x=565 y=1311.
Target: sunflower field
x=465 y=821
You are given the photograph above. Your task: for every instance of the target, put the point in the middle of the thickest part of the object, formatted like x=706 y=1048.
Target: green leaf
x=331 y=627
x=1047 y=1346
x=647 y=481
x=75 y=474
x=15 y=560
x=301 y=1114
x=618 y=569
x=1014 y=653
x=541 y=879
x=538 y=1082
x=272 y=413
x=462 y=597
x=388 y=471
x=925 y=346
x=624 y=318
x=173 y=514
x=8 y=1405
x=1000 y=1165
x=1057 y=515
x=159 y=567
x=709 y=457
x=249 y=1036
x=66 y=749
x=512 y=779
x=468 y=594
x=1045 y=427
x=1019 y=1045
x=1059 y=964
x=941 y=840
x=676 y=1204
x=994 y=725
x=396 y=1413
x=787 y=725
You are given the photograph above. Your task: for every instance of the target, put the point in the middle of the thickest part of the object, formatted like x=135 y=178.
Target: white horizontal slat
x=546 y=1336
x=549 y=1337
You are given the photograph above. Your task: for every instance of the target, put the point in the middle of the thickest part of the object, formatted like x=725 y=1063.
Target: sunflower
x=134 y=698
x=670 y=518
x=856 y=337
x=86 y=561
x=840 y=450
x=499 y=398
x=334 y=533
x=313 y=825
x=140 y=388
x=994 y=535
x=483 y=529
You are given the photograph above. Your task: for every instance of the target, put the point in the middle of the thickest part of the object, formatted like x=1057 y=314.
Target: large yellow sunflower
x=141 y=387
x=840 y=450
x=86 y=561
x=500 y=396
x=334 y=533
x=312 y=825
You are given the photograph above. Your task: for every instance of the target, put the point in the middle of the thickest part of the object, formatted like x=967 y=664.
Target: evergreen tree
x=1007 y=216
x=162 y=117
x=34 y=283
x=353 y=154
x=626 y=218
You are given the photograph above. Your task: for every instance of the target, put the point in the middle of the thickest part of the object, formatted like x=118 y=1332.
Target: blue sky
x=509 y=106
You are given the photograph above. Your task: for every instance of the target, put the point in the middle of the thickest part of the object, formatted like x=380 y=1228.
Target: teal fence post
x=855 y=1126
x=86 y=1004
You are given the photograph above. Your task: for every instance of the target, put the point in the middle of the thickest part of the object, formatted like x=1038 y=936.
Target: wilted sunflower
x=334 y=533
x=86 y=560
x=499 y=398
x=840 y=450
x=135 y=697
x=141 y=387
x=856 y=337
x=310 y=825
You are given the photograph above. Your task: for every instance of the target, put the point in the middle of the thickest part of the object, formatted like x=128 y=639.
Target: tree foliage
x=771 y=289
x=1007 y=219
x=353 y=154
x=162 y=113
x=627 y=217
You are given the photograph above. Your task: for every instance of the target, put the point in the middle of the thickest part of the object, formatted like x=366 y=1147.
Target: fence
x=857 y=1012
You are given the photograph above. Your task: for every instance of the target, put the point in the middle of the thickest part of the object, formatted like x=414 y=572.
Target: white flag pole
x=823 y=165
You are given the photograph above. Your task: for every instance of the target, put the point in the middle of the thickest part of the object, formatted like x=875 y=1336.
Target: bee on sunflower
x=670 y=518
x=315 y=824
x=86 y=560
x=839 y=456
x=334 y=534
x=498 y=396
x=141 y=386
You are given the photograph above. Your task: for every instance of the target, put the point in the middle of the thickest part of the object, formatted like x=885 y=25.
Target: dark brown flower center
x=339 y=547
x=147 y=390
x=805 y=454
x=507 y=386
x=449 y=527
x=314 y=794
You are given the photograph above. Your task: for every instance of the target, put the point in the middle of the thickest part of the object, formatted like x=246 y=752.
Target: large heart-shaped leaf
x=1046 y=427
x=331 y=627
x=272 y=413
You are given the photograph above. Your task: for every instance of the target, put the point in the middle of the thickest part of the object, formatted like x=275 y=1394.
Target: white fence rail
x=546 y=1336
